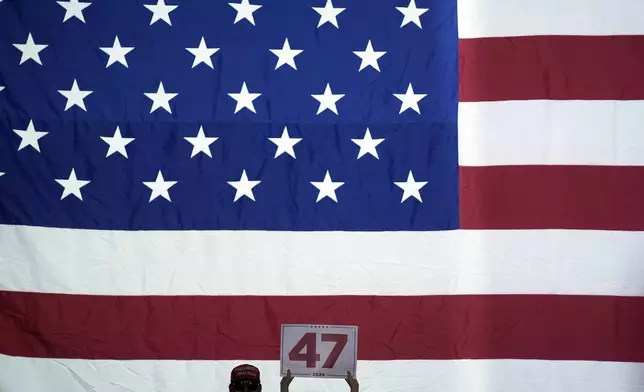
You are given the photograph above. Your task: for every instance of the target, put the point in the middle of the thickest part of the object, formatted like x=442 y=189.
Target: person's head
x=245 y=378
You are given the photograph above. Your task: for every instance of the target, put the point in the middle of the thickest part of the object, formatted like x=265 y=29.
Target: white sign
x=327 y=351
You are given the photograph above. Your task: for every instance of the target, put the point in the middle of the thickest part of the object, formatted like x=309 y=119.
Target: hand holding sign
x=286 y=381
x=353 y=383
x=319 y=351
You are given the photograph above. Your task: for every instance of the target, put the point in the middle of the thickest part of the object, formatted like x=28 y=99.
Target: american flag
x=462 y=180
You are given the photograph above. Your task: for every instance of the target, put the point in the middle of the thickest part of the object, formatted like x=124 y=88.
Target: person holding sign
x=318 y=351
x=245 y=378
x=354 y=386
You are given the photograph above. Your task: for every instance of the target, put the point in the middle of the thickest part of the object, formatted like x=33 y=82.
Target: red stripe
x=552 y=197
x=403 y=327
x=551 y=67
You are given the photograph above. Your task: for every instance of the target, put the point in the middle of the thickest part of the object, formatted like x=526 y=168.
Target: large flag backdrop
x=178 y=180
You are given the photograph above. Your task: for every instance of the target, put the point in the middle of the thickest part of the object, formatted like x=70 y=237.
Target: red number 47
x=306 y=349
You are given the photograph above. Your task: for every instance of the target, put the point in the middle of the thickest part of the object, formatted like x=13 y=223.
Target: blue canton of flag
x=283 y=115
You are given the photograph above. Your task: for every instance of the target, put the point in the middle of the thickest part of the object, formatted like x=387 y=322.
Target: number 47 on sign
x=327 y=351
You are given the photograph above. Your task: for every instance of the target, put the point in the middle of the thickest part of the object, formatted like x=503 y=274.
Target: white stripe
x=501 y=18
x=47 y=375
x=321 y=263
x=546 y=132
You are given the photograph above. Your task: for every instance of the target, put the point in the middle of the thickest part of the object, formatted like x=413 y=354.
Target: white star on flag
x=327 y=188
x=412 y=14
x=2 y=174
x=244 y=99
x=160 y=187
x=202 y=54
x=245 y=10
x=72 y=186
x=368 y=145
x=411 y=188
x=285 y=143
x=328 y=14
x=286 y=55
x=117 y=143
x=117 y=53
x=74 y=8
x=30 y=137
x=30 y=50
x=409 y=100
x=160 y=11
x=369 y=57
x=201 y=143
x=2 y=88
x=75 y=96
x=327 y=100
x=161 y=99
x=243 y=187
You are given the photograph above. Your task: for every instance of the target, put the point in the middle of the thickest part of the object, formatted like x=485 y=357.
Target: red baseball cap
x=244 y=372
